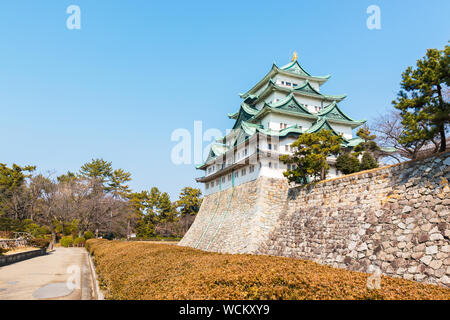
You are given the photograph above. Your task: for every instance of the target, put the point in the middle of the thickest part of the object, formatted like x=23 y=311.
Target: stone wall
x=394 y=219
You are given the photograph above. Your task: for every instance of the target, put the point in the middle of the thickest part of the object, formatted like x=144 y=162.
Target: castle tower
x=284 y=104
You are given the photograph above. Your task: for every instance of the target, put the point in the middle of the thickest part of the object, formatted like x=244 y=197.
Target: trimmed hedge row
x=130 y=270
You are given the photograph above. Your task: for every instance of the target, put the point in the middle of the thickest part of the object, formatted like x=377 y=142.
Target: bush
x=66 y=241
x=34 y=229
x=347 y=163
x=131 y=270
x=368 y=161
x=88 y=235
x=79 y=242
x=38 y=242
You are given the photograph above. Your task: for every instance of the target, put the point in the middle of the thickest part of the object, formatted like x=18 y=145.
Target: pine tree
x=310 y=155
x=368 y=161
x=189 y=201
x=424 y=109
x=347 y=163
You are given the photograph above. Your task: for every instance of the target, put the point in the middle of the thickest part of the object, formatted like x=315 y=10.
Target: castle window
x=294 y=84
x=237 y=174
x=270 y=164
x=269 y=146
x=229 y=177
x=275 y=165
x=207 y=185
x=246 y=152
x=223 y=179
x=244 y=172
x=212 y=184
x=289 y=166
x=288 y=84
x=275 y=147
x=252 y=168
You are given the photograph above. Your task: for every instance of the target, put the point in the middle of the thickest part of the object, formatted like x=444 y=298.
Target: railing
x=22 y=235
x=13 y=243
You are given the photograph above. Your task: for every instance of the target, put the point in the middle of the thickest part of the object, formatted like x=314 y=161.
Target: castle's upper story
x=285 y=103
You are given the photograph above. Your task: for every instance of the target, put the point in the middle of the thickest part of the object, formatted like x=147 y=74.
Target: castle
x=393 y=219
x=284 y=104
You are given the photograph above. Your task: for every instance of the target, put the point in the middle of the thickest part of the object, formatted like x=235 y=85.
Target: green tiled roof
x=291 y=104
x=333 y=112
x=305 y=89
x=321 y=124
x=292 y=68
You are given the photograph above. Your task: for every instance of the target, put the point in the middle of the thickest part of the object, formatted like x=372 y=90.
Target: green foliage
x=13 y=178
x=369 y=143
x=88 y=235
x=66 y=241
x=98 y=169
x=67 y=178
x=68 y=228
x=79 y=241
x=189 y=201
x=423 y=107
x=8 y=224
x=112 y=181
x=310 y=155
x=151 y=207
x=34 y=229
x=117 y=185
x=368 y=161
x=12 y=188
x=347 y=163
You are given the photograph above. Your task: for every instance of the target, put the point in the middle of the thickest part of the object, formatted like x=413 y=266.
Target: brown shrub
x=158 y=271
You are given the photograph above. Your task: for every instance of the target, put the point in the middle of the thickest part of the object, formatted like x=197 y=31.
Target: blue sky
x=138 y=70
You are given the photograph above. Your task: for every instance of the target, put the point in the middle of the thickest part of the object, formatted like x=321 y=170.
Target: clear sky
x=137 y=70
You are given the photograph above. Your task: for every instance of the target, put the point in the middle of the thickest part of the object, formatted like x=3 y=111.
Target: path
x=46 y=277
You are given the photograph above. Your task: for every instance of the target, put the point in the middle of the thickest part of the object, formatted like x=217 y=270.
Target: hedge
x=39 y=242
x=131 y=270
x=66 y=241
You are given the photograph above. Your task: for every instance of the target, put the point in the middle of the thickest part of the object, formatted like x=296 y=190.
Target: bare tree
x=388 y=129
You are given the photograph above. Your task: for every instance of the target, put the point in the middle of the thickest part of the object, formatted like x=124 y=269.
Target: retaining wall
x=395 y=219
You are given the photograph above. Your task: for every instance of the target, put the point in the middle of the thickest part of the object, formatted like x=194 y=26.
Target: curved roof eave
x=275 y=69
x=272 y=85
x=334 y=106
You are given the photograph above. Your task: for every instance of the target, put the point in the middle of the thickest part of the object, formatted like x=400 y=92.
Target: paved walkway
x=63 y=274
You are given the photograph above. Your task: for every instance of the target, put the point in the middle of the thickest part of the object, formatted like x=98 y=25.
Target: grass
x=132 y=270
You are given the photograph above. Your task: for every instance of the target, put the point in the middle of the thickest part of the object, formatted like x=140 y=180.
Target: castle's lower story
x=394 y=219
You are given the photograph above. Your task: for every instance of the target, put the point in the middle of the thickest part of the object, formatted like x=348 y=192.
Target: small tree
x=368 y=161
x=368 y=144
x=310 y=155
x=347 y=163
x=189 y=201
